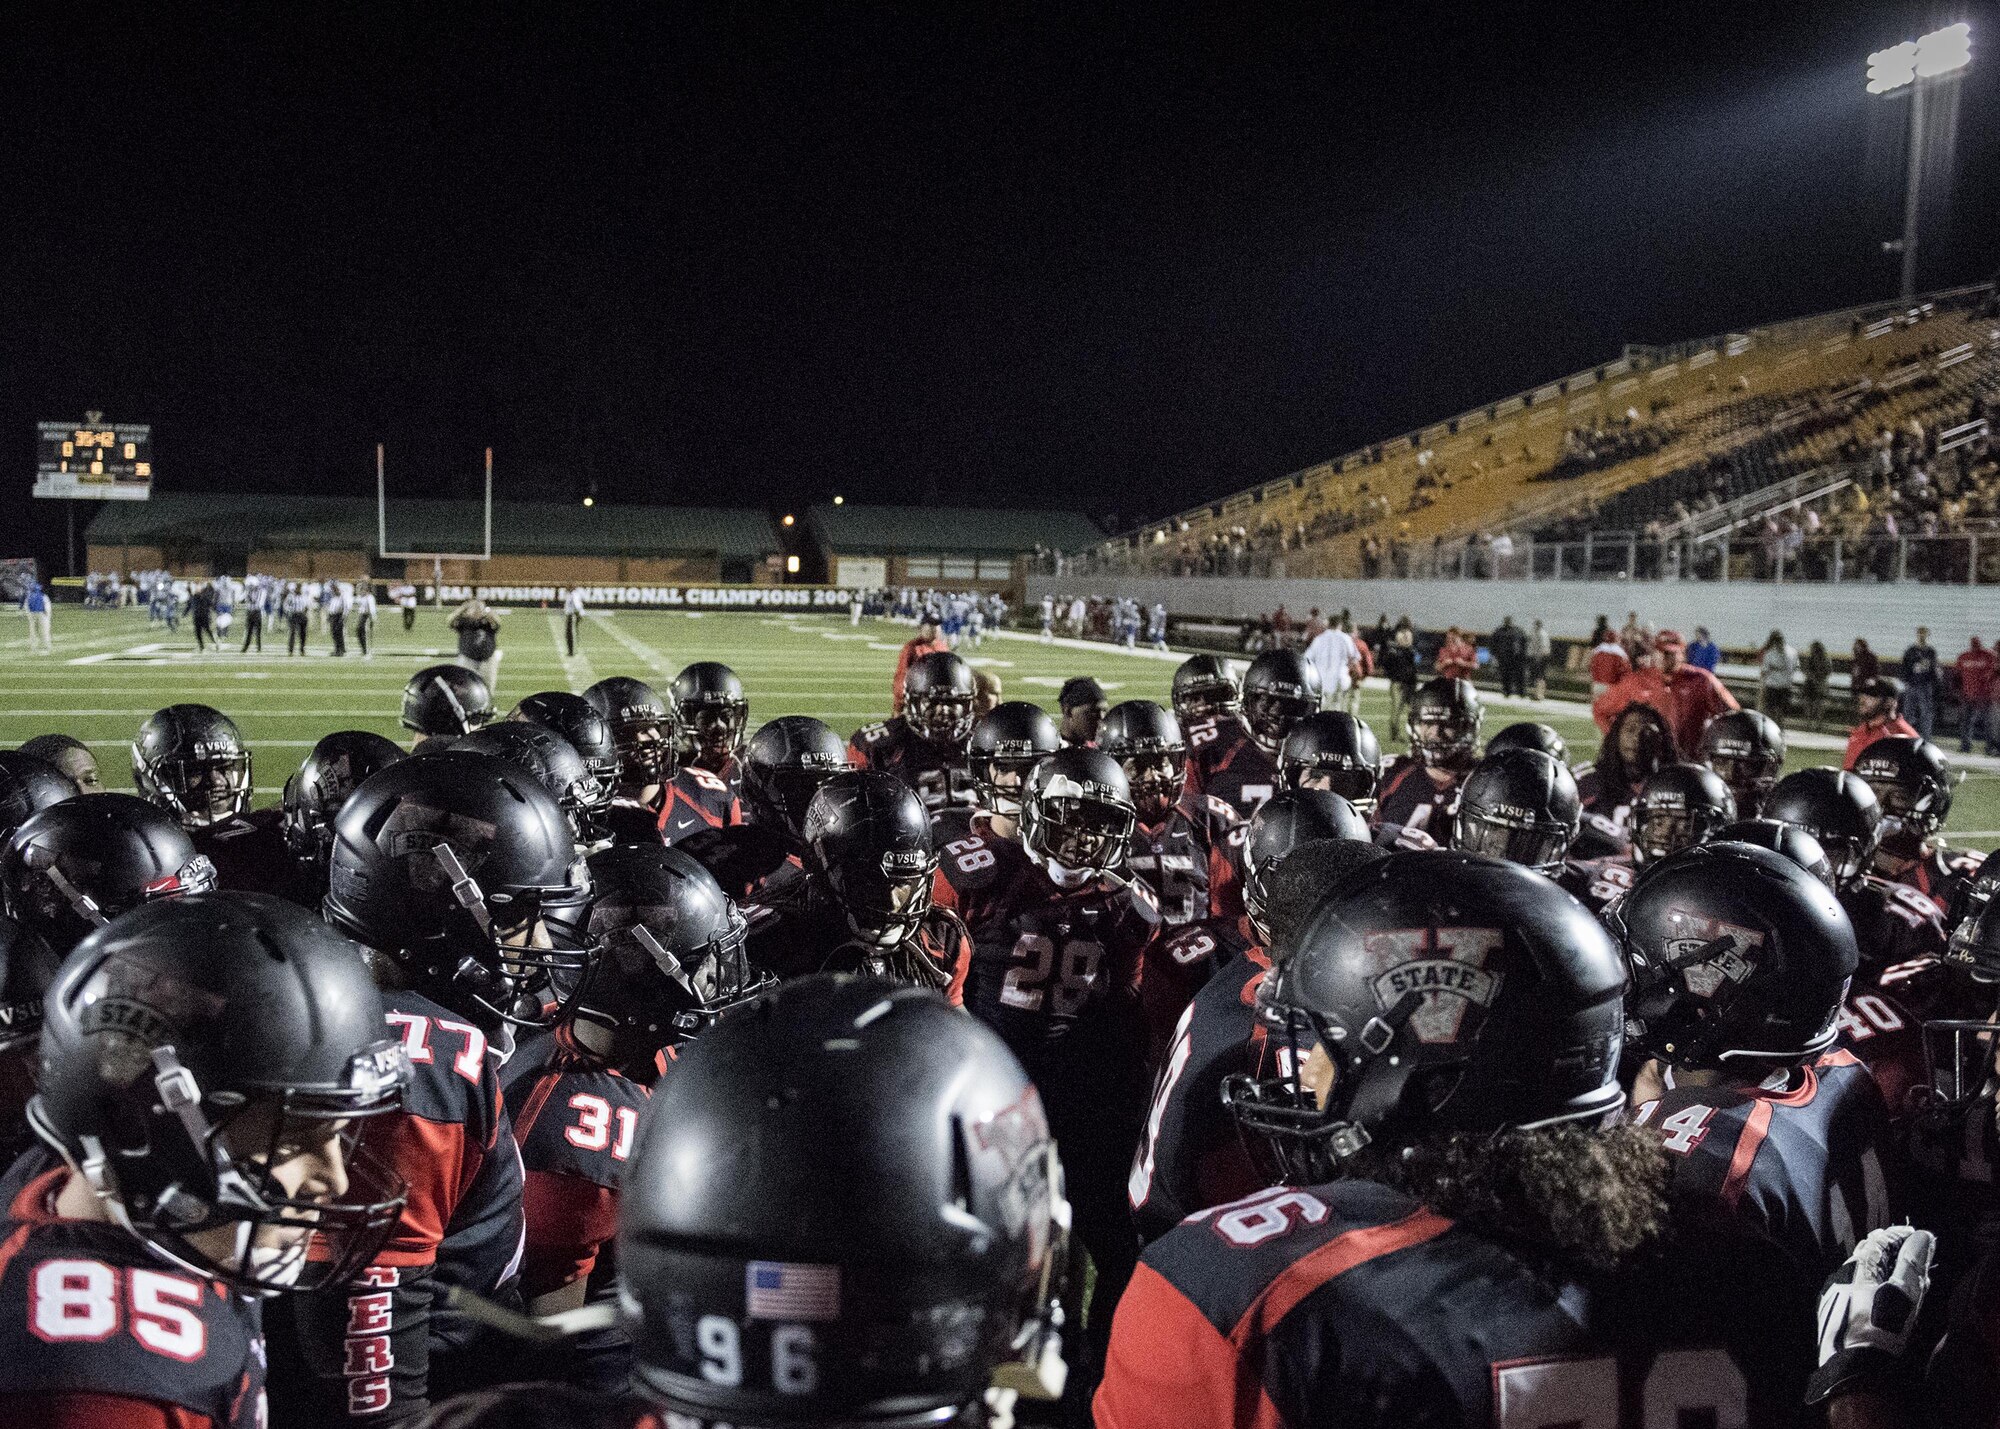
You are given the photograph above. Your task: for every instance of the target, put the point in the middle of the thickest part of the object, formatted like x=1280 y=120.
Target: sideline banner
x=656 y=597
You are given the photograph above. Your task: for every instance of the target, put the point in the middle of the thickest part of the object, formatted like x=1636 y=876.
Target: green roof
x=948 y=531
x=520 y=528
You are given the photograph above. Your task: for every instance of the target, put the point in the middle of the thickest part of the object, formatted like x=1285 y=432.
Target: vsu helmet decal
x=1442 y=969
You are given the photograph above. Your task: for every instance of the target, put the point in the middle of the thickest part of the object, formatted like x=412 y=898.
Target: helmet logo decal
x=418 y=828
x=1447 y=985
x=1708 y=953
x=786 y=1290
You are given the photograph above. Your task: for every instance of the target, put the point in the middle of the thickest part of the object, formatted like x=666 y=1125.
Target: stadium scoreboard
x=94 y=460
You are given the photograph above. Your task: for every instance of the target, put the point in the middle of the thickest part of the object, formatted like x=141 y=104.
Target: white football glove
x=1868 y=1310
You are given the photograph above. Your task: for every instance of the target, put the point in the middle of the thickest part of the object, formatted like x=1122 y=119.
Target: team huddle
x=603 y=1063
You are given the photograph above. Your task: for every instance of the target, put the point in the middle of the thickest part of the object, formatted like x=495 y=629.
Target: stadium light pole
x=1917 y=65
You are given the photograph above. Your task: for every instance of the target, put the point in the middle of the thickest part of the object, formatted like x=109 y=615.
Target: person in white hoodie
x=1333 y=655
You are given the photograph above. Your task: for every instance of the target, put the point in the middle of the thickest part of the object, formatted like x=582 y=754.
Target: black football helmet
x=1077 y=816
x=645 y=727
x=1530 y=734
x=1971 y=895
x=445 y=701
x=759 y=1290
x=336 y=766
x=587 y=732
x=940 y=699
x=784 y=765
x=1445 y=716
x=1146 y=741
x=1975 y=948
x=72 y=756
x=669 y=958
x=27 y=968
x=189 y=1050
x=1281 y=823
x=1007 y=741
x=463 y=870
x=1838 y=809
x=1678 y=807
x=548 y=759
x=1334 y=751
x=192 y=762
x=1451 y=993
x=1960 y=1051
x=27 y=786
x=1279 y=690
x=1203 y=689
x=1747 y=748
x=1913 y=782
x=1520 y=805
x=1737 y=955
x=713 y=710
x=868 y=850
x=77 y=865
x=1788 y=839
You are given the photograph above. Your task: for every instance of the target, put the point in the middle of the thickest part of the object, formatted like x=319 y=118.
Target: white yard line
x=576 y=668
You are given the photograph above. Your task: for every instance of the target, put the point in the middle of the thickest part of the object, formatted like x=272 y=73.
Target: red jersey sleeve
x=1201 y=1384
x=76 y=1409
x=572 y=1218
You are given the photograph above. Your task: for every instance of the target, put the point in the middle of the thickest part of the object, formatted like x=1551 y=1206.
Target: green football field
x=111 y=670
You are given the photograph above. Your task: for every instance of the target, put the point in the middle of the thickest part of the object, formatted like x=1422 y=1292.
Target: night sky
x=1124 y=262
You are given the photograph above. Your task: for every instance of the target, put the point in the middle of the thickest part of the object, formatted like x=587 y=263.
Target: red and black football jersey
x=1802 y=1161
x=1190 y=1156
x=696 y=799
x=630 y=822
x=1408 y=797
x=1352 y=1306
x=1606 y=826
x=1186 y=857
x=574 y=1119
x=250 y=856
x=1226 y=763
x=97 y=1333
x=1900 y=932
x=938 y=774
x=1937 y=872
x=1179 y=963
x=1597 y=883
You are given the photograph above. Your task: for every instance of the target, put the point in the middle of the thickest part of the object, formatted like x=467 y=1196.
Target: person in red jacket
x=1975 y=669
x=923 y=643
x=1458 y=658
x=1686 y=694
x=1608 y=663
x=1878 y=703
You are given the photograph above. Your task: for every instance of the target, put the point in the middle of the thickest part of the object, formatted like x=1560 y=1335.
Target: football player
x=1419 y=790
x=315 y=795
x=1082 y=703
x=1191 y=1156
x=1007 y=742
x=192 y=762
x=1679 y=806
x=1519 y=805
x=669 y=962
x=1463 y=1234
x=27 y=968
x=925 y=745
x=1235 y=759
x=442 y=702
x=1953 y=1136
x=1747 y=748
x=1638 y=743
x=1913 y=783
x=1204 y=694
x=1334 y=751
x=1530 y=734
x=783 y=765
x=865 y=902
x=1059 y=940
x=212 y=1157
x=76 y=865
x=27 y=786
x=645 y=730
x=547 y=758
x=1180 y=844
x=703 y=792
x=1741 y=962
x=459 y=877
x=586 y=731
x=1788 y=839
x=71 y=755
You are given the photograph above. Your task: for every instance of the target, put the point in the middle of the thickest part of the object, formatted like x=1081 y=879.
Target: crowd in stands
x=1592 y=448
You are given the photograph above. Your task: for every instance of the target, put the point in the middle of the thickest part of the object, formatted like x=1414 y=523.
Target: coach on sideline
x=478 y=640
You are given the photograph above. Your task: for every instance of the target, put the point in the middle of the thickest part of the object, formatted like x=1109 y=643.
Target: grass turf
x=111 y=670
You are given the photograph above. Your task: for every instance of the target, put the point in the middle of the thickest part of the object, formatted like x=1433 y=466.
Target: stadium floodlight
x=1932 y=57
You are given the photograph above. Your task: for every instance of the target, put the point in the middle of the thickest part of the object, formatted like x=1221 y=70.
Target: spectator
x=573 y=618
x=1778 y=670
x=1864 y=665
x=202 y=607
x=1082 y=703
x=1635 y=635
x=926 y=641
x=1920 y=683
x=1975 y=668
x=1333 y=655
x=1538 y=660
x=1818 y=668
x=1364 y=664
x=35 y=602
x=478 y=631
x=295 y=620
x=1399 y=667
x=1315 y=625
x=1689 y=698
x=1509 y=645
x=1704 y=653
x=1877 y=705
x=986 y=692
x=1609 y=662
x=1458 y=657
